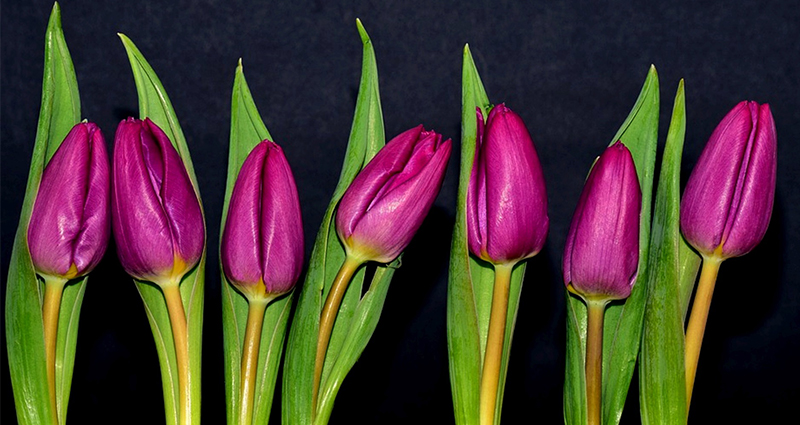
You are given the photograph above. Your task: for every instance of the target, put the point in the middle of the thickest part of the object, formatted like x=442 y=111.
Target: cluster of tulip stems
x=619 y=252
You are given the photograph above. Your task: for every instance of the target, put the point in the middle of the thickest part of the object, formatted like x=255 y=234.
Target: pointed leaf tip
x=362 y=31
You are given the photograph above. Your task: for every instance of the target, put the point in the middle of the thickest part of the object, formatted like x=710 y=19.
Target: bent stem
x=594 y=360
x=490 y=375
x=252 y=341
x=180 y=335
x=698 y=319
x=53 y=288
x=329 y=312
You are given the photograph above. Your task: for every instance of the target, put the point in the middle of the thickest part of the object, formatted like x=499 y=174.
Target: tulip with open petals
x=388 y=200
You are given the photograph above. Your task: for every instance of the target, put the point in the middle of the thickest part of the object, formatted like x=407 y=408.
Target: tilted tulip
x=507 y=200
x=727 y=204
x=601 y=255
x=262 y=244
x=70 y=222
x=157 y=219
x=388 y=200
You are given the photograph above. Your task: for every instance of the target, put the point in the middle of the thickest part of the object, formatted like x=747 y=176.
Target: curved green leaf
x=623 y=320
x=366 y=138
x=155 y=104
x=662 y=380
x=59 y=112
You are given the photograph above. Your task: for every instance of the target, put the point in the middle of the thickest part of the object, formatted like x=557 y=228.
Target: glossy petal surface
x=386 y=203
x=729 y=196
x=601 y=255
x=70 y=222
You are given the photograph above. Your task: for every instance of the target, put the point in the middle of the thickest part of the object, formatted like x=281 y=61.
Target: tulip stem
x=328 y=317
x=490 y=377
x=180 y=336
x=252 y=342
x=594 y=360
x=53 y=289
x=698 y=318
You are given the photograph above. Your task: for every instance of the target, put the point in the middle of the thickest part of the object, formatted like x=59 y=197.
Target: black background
x=572 y=70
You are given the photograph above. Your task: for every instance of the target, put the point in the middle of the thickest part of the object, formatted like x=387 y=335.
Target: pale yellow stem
x=53 y=289
x=594 y=361
x=490 y=376
x=180 y=336
x=698 y=319
x=329 y=312
x=252 y=342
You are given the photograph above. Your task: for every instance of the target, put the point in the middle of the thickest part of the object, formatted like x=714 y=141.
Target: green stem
x=53 y=289
x=180 y=336
x=697 y=320
x=594 y=361
x=329 y=312
x=252 y=342
x=490 y=377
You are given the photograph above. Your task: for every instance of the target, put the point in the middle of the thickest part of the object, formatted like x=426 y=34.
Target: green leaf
x=471 y=281
x=247 y=131
x=366 y=138
x=59 y=112
x=662 y=380
x=623 y=320
x=155 y=104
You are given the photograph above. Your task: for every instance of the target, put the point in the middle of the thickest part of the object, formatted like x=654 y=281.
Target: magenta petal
x=476 y=195
x=728 y=199
x=156 y=213
x=263 y=236
x=388 y=200
x=281 y=224
x=70 y=221
x=601 y=255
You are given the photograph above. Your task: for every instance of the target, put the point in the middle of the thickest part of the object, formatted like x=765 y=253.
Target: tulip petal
x=476 y=195
x=601 y=255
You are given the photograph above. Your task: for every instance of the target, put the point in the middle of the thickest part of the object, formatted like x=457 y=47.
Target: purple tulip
x=157 y=221
x=507 y=200
x=69 y=228
x=262 y=243
x=728 y=199
x=388 y=200
x=601 y=256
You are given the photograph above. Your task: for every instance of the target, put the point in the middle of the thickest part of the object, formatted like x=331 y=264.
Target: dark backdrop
x=571 y=69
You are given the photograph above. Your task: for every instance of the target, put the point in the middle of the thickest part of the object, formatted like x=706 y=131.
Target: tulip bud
x=262 y=243
x=601 y=255
x=157 y=221
x=728 y=199
x=388 y=200
x=69 y=228
x=507 y=200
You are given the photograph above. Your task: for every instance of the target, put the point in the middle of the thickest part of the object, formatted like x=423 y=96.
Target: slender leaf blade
x=662 y=381
x=59 y=112
x=366 y=138
x=467 y=277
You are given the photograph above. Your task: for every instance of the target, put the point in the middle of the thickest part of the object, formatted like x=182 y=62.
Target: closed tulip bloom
x=601 y=255
x=70 y=223
x=262 y=243
x=507 y=200
x=157 y=220
x=727 y=204
x=388 y=200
